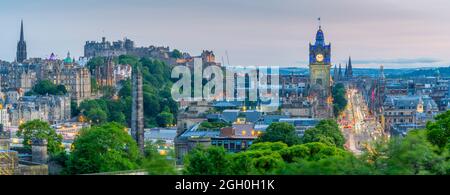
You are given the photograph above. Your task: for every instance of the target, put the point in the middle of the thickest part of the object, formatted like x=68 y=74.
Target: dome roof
x=68 y=59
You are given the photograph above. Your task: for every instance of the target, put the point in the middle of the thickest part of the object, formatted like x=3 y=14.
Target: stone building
x=53 y=109
x=294 y=95
x=20 y=77
x=415 y=110
x=127 y=46
x=76 y=78
x=11 y=164
x=105 y=75
x=106 y=48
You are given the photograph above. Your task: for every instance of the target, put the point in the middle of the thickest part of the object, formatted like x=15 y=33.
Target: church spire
x=21 y=54
x=350 y=67
x=22 y=38
x=336 y=76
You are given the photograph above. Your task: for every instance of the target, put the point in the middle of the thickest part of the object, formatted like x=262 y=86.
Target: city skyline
x=267 y=33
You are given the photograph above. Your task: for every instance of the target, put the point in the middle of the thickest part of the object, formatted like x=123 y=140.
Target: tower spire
x=350 y=67
x=21 y=54
x=21 y=31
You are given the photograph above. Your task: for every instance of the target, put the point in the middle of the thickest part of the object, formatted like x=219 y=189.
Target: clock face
x=319 y=57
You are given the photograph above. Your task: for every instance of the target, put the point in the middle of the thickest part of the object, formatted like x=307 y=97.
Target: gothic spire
x=22 y=38
x=346 y=70
x=350 y=67
x=336 y=76
x=21 y=54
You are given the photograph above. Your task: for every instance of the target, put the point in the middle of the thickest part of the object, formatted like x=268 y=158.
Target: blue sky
x=401 y=33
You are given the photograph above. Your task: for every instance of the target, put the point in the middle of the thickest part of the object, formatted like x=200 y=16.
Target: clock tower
x=320 y=77
x=320 y=64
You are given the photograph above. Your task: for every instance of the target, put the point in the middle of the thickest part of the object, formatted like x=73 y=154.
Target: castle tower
x=21 y=55
x=137 y=113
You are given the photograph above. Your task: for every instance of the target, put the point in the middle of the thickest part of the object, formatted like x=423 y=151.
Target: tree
x=95 y=62
x=210 y=161
x=45 y=87
x=125 y=91
x=165 y=119
x=438 y=132
x=157 y=164
x=327 y=131
x=74 y=111
x=331 y=165
x=104 y=148
x=40 y=130
x=339 y=100
x=176 y=54
x=411 y=155
x=283 y=132
x=97 y=116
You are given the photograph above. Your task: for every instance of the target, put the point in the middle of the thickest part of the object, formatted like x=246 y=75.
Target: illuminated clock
x=319 y=58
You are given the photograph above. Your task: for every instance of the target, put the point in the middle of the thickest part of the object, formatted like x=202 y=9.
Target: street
x=357 y=125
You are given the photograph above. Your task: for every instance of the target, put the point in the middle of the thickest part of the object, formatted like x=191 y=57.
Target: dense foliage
x=40 y=130
x=283 y=132
x=103 y=148
x=159 y=107
x=327 y=131
x=109 y=148
x=421 y=152
x=46 y=87
x=339 y=99
x=156 y=164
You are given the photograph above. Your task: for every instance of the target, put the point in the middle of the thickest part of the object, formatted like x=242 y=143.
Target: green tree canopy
x=164 y=119
x=438 y=132
x=45 y=87
x=157 y=164
x=339 y=99
x=411 y=155
x=40 y=130
x=327 y=131
x=104 y=148
x=210 y=161
x=97 y=116
x=280 y=132
x=176 y=54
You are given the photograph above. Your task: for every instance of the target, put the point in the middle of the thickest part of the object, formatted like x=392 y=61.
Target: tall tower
x=137 y=112
x=350 y=68
x=320 y=63
x=336 y=76
x=21 y=46
x=320 y=77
